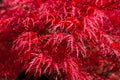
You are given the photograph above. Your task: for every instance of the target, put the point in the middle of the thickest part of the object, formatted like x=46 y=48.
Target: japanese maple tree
x=60 y=40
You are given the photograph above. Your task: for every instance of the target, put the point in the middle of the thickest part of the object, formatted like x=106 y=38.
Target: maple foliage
x=59 y=40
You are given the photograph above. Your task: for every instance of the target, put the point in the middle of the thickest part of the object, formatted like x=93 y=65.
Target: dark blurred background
x=0 y=1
